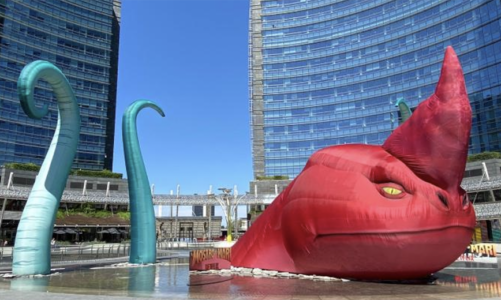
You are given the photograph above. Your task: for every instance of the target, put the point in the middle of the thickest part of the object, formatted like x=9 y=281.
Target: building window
x=473 y=173
x=23 y=181
x=79 y=185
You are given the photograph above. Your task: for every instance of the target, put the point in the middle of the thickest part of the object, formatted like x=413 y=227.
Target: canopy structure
x=74 y=196
x=70 y=231
x=483 y=210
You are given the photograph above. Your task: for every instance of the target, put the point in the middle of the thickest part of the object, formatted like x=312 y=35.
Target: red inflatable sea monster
x=390 y=212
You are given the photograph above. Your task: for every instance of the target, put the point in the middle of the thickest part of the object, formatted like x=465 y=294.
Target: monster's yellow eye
x=391 y=190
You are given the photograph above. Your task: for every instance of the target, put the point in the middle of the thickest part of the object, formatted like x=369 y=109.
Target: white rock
x=284 y=274
x=326 y=278
x=270 y=273
x=257 y=271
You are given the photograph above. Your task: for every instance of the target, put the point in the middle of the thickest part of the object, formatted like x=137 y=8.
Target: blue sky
x=191 y=58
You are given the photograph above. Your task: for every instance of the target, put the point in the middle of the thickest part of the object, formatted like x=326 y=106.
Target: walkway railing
x=184 y=245
x=106 y=251
x=78 y=252
x=75 y=196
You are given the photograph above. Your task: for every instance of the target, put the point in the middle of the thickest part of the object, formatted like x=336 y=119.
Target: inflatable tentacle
x=142 y=221
x=405 y=111
x=32 y=246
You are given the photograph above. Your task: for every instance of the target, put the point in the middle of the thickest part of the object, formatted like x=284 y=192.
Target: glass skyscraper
x=329 y=72
x=81 y=38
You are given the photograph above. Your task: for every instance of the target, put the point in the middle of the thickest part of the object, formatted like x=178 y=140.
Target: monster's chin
x=382 y=256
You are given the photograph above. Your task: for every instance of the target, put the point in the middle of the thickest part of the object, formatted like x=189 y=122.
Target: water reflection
x=36 y=284
x=480 y=278
x=141 y=281
x=172 y=279
x=478 y=283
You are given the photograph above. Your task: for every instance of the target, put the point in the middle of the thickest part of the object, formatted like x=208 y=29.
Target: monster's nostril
x=466 y=200
x=443 y=199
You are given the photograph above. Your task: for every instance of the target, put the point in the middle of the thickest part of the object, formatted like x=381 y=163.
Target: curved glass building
x=329 y=72
x=81 y=38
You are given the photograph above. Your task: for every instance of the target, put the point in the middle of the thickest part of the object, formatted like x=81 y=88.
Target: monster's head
x=395 y=211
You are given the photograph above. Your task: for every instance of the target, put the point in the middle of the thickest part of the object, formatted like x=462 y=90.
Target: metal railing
x=63 y=253
x=76 y=253
x=75 y=196
x=183 y=244
x=89 y=252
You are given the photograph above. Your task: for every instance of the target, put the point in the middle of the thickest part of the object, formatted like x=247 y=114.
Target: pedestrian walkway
x=171 y=279
x=85 y=254
x=23 y=295
x=413 y=293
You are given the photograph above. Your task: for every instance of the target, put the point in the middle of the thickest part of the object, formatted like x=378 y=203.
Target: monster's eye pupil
x=391 y=190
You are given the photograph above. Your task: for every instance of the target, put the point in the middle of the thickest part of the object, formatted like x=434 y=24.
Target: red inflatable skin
x=391 y=212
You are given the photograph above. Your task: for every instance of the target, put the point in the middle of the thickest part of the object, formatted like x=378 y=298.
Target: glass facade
x=81 y=38
x=329 y=72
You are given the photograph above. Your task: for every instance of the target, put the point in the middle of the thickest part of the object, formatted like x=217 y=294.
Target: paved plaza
x=18 y=295
x=297 y=291
x=171 y=279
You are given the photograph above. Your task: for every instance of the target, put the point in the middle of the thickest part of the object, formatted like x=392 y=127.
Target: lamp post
x=225 y=204
x=171 y=220
x=208 y=211
x=229 y=208
x=176 y=225
x=235 y=209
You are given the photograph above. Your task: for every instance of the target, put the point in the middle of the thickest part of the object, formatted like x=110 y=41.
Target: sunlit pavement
x=171 y=279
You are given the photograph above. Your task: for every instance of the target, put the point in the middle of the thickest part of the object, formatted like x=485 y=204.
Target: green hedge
x=103 y=173
x=124 y=215
x=91 y=213
x=276 y=177
x=90 y=173
x=24 y=167
x=483 y=156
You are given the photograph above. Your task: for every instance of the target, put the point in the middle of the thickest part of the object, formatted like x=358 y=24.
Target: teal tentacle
x=142 y=215
x=32 y=245
x=405 y=111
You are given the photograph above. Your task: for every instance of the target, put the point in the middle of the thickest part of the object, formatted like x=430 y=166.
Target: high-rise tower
x=81 y=38
x=329 y=72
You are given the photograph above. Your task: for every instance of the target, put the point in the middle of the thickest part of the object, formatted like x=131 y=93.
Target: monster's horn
x=433 y=142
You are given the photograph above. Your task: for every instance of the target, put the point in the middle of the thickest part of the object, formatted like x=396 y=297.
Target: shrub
x=60 y=214
x=483 y=156
x=276 y=177
x=91 y=173
x=124 y=215
x=101 y=214
x=87 y=210
x=23 y=166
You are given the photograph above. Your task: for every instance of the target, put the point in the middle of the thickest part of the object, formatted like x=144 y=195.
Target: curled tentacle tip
x=148 y=103
x=158 y=109
x=25 y=94
x=26 y=87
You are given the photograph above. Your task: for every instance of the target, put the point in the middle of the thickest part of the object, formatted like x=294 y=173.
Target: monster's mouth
x=394 y=233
